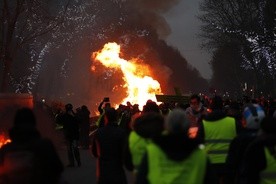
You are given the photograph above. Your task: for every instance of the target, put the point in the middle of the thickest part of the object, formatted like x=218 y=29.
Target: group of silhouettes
x=217 y=143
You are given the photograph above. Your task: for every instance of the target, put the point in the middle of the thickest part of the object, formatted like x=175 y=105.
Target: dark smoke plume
x=149 y=11
x=141 y=35
x=139 y=27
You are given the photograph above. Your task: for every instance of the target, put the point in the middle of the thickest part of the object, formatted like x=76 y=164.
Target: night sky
x=184 y=29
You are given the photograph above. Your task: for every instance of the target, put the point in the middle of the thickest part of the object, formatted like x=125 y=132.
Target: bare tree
x=23 y=21
x=250 y=25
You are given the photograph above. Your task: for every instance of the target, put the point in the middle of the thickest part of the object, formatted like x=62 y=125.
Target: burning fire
x=4 y=139
x=140 y=86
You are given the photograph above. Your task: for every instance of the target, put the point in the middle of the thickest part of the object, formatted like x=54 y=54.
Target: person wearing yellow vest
x=145 y=127
x=101 y=109
x=216 y=132
x=259 y=166
x=175 y=158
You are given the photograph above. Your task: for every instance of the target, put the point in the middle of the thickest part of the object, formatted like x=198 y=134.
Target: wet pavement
x=86 y=173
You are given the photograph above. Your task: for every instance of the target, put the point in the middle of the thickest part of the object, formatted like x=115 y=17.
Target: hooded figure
x=145 y=127
x=259 y=163
x=174 y=157
x=253 y=114
x=28 y=159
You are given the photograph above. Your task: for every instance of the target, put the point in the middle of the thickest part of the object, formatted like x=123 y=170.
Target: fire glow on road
x=4 y=139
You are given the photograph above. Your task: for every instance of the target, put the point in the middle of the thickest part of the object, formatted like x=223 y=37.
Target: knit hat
x=177 y=122
x=253 y=115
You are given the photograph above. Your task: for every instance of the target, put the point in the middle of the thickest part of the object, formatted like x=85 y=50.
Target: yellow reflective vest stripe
x=218 y=135
x=98 y=122
x=165 y=171
x=137 y=146
x=268 y=176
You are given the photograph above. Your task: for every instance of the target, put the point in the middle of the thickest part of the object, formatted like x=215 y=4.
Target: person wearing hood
x=29 y=158
x=253 y=114
x=259 y=163
x=145 y=127
x=175 y=158
x=216 y=131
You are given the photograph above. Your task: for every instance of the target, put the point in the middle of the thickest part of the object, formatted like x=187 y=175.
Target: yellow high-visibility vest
x=268 y=176
x=138 y=147
x=218 y=135
x=165 y=171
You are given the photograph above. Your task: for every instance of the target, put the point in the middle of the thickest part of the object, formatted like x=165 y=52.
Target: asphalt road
x=86 y=173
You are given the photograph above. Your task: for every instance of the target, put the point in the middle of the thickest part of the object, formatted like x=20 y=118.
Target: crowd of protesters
x=208 y=140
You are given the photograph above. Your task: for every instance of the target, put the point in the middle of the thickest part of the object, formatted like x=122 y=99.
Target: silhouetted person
x=28 y=159
x=108 y=146
x=105 y=104
x=151 y=106
x=253 y=114
x=71 y=134
x=259 y=164
x=83 y=117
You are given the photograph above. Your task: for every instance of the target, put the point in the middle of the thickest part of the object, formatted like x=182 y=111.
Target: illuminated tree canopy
x=248 y=24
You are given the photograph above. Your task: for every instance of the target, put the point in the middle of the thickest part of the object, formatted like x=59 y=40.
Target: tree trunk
x=7 y=60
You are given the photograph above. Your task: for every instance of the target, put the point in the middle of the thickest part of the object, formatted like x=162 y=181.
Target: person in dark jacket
x=28 y=159
x=259 y=164
x=108 y=147
x=83 y=116
x=71 y=134
x=174 y=157
x=253 y=114
x=151 y=106
x=196 y=110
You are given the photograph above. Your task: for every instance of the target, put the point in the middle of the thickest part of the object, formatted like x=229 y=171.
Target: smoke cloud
x=150 y=12
x=139 y=27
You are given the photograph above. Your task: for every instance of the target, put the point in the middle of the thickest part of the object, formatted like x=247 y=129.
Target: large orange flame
x=140 y=87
